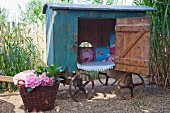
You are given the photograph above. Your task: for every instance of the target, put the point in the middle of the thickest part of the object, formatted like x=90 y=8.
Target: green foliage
x=52 y=71
x=137 y=102
x=160 y=55
x=3 y=15
x=33 y=12
x=18 y=52
x=67 y=1
x=29 y=89
x=109 y=2
x=40 y=70
x=97 y=1
x=115 y=2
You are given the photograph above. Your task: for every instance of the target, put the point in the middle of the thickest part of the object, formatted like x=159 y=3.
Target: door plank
x=135 y=69
x=129 y=21
x=131 y=28
x=145 y=50
x=132 y=43
x=135 y=62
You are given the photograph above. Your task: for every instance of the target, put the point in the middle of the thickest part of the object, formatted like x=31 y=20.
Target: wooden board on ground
x=6 y=78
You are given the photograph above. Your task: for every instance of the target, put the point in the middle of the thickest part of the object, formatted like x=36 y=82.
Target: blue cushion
x=112 y=39
x=102 y=53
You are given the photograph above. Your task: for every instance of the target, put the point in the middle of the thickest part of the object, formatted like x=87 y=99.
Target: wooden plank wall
x=95 y=31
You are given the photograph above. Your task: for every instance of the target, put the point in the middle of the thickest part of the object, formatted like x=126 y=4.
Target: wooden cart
x=69 y=25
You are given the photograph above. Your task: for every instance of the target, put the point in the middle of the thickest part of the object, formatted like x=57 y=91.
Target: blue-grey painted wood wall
x=49 y=36
x=65 y=26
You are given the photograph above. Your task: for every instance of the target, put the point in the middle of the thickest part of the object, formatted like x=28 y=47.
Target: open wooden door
x=133 y=44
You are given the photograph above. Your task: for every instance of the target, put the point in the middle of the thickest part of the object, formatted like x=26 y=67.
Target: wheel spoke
x=139 y=84
x=131 y=91
x=85 y=83
x=105 y=79
x=75 y=93
x=133 y=88
x=122 y=87
x=84 y=91
x=131 y=78
x=114 y=82
x=80 y=93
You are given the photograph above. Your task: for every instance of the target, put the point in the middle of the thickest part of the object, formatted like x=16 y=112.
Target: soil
x=154 y=100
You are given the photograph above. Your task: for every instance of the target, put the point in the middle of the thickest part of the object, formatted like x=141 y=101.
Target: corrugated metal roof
x=64 y=6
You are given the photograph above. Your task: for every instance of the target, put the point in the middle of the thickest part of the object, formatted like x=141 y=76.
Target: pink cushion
x=112 y=55
x=112 y=50
x=86 y=54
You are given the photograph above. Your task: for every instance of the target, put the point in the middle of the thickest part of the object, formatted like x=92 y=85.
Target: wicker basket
x=42 y=98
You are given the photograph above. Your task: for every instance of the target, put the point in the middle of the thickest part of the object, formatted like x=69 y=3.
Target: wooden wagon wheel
x=132 y=86
x=81 y=87
x=105 y=79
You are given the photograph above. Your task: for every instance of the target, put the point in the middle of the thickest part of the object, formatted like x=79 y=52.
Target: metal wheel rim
x=98 y=76
x=71 y=82
x=138 y=95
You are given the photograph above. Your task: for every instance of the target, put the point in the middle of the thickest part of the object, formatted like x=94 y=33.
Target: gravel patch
x=154 y=100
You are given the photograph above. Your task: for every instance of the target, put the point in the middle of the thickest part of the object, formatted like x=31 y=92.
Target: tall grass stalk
x=18 y=52
x=3 y=15
x=160 y=53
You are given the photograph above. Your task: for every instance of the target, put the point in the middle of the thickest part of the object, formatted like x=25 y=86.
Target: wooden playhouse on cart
x=68 y=26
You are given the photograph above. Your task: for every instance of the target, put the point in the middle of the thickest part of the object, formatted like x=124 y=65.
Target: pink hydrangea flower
x=46 y=80
x=23 y=75
x=32 y=81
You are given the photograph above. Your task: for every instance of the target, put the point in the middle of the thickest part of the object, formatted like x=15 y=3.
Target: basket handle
x=19 y=83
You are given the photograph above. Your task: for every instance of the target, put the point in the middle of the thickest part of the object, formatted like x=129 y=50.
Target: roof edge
x=46 y=5
x=67 y=6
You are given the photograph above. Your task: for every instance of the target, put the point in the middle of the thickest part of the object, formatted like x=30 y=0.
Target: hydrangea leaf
x=29 y=89
x=59 y=78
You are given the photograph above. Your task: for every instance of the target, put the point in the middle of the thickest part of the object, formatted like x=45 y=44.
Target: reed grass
x=3 y=15
x=17 y=52
x=160 y=42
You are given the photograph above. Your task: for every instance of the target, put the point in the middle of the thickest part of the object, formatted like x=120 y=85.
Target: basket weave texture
x=42 y=98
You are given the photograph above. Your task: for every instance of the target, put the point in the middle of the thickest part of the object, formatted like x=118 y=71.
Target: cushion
x=86 y=54
x=102 y=53
x=112 y=46
x=112 y=50
x=112 y=39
